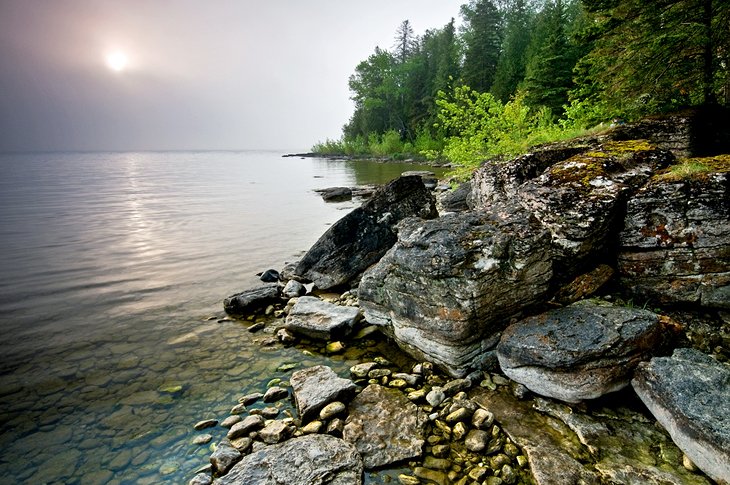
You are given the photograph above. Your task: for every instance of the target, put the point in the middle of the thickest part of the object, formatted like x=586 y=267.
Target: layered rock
x=689 y=394
x=316 y=318
x=315 y=459
x=361 y=238
x=578 y=352
x=315 y=387
x=674 y=245
x=380 y=439
x=446 y=289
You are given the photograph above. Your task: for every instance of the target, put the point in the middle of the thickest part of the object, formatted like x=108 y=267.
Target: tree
x=482 y=38
x=406 y=42
x=510 y=70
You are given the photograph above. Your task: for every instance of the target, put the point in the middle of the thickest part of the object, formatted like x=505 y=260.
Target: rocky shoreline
x=563 y=318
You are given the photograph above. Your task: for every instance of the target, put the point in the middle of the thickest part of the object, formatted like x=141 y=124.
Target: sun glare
x=117 y=61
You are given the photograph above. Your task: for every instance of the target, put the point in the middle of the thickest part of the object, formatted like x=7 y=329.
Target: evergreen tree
x=512 y=62
x=482 y=39
x=406 y=42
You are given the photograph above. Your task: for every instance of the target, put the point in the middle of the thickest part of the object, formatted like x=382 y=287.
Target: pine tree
x=512 y=62
x=482 y=38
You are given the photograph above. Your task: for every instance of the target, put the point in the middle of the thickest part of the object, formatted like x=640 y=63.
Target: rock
x=461 y=414
x=360 y=238
x=456 y=200
x=249 y=399
x=380 y=439
x=202 y=439
x=317 y=386
x=335 y=427
x=242 y=444
x=243 y=428
x=459 y=431
x=336 y=194
x=270 y=276
x=360 y=371
x=201 y=479
x=334 y=347
x=404 y=479
x=689 y=394
x=293 y=289
x=275 y=393
x=331 y=410
x=285 y=336
x=482 y=419
x=312 y=427
x=456 y=385
x=231 y=420
x=674 y=245
x=578 y=352
x=434 y=476
x=275 y=432
x=207 y=423
x=315 y=459
x=448 y=287
x=435 y=397
x=584 y=285
x=238 y=409
x=224 y=457
x=250 y=301
x=319 y=319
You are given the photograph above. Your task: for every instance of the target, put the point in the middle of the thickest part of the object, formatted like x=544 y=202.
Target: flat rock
x=250 y=301
x=361 y=238
x=689 y=394
x=385 y=426
x=249 y=423
x=311 y=459
x=275 y=432
x=578 y=352
x=449 y=286
x=315 y=387
x=316 y=318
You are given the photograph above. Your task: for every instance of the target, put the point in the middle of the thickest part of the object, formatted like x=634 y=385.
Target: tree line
x=516 y=72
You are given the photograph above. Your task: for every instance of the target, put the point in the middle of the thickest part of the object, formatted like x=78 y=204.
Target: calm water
x=111 y=268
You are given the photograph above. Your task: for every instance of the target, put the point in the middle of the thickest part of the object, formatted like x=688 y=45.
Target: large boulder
x=578 y=352
x=385 y=426
x=315 y=459
x=252 y=300
x=448 y=287
x=315 y=387
x=689 y=394
x=674 y=245
x=316 y=318
x=362 y=237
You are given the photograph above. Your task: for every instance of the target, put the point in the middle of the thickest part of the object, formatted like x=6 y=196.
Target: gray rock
x=435 y=396
x=380 y=439
x=275 y=393
x=311 y=459
x=581 y=351
x=250 y=301
x=689 y=394
x=275 y=432
x=249 y=399
x=361 y=238
x=360 y=371
x=674 y=246
x=244 y=427
x=336 y=194
x=448 y=287
x=207 y=423
x=317 y=386
x=319 y=319
x=331 y=410
x=201 y=479
x=224 y=457
x=202 y=439
x=231 y=420
x=456 y=200
x=293 y=289
x=477 y=440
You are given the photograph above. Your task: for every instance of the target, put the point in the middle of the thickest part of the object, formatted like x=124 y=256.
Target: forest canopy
x=516 y=72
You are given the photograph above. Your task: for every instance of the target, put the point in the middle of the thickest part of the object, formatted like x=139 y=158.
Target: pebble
x=256 y=327
x=335 y=347
x=249 y=399
x=203 y=439
x=242 y=444
x=441 y=451
x=478 y=473
x=417 y=395
x=331 y=410
x=270 y=412
x=459 y=431
x=461 y=414
x=477 y=440
x=408 y=480
x=231 y=420
x=436 y=463
x=336 y=427
x=398 y=383
x=238 y=409
x=456 y=385
x=276 y=393
x=435 y=397
x=250 y=423
x=434 y=475
x=378 y=373
x=207 y=423
x=482 y=419
x=312 y=427
x=285 y=336
x=360 y=371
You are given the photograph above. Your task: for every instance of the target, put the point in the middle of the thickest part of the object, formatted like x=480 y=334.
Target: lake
x=113 y=268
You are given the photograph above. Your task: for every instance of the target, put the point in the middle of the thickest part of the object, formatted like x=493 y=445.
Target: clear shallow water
x=111 y=265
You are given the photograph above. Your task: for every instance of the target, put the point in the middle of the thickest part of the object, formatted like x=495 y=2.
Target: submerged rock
x=315 y=459
x=385 y=426
x=317 y=386
x=449 y=286
x=319 y=319
x=361 y=237
x=250 y=301
x=689 y=394
x=582 y=351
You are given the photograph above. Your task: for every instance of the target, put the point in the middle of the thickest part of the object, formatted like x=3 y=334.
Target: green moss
x=627 y=146
x=695 y=168
x=580 y=169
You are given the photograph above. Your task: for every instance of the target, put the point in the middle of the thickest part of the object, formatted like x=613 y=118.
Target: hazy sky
x=198 y=74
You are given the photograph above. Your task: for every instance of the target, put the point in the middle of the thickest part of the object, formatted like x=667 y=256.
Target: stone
x=275 y=393
x=285 y=336
x=436 y=463
x=319 y=319
x=379 y=438
x=270 y=412
x=242 y=444
x=456 y=385
x=207 y=423
x=360 y=371
x=449 y=286
x=201 y=479
x=584 y=285
x=312 y=427
x=459 y=431
x=689 y=394
x=317 y=386
x=231 y=420
x=331 y=410
x=293 y=289
x=269 y=276
x=247 y=425
x=253 y=300
x=461 y=414
x=275 y=432
x=224 y=457
x=336 y=194
x=404 y=479
x=434 y=476
x=202 y=439
x=335 y=427
x=456 y=200
x=238 y=409
x=477 y=440
x=306 y=459
x=334 y=347
x=674 y=245
x=249 y=399
x=361 y=238
x=482 y=419
x=435 y=397
x=581 y=351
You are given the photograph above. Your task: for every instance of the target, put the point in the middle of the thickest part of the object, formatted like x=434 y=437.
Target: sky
x=189 y=74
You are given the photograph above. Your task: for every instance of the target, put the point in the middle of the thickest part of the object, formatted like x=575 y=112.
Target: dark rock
x=447 y=288
x=689 y=394
x=275 y=393
x=579 y=352
x=270 y=276
x=336 y=194
x=360 y=238
x=250 y=301
x=224 y=457
x=584 y=285
x=317 y=386
x=319 y=319
x=674 y=246
x=310 y=459
x=201 y=479
x=456 y=200
x=380 y=439
x=207 y=423
x=335 y=427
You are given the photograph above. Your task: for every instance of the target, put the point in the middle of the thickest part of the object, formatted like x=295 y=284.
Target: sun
x=117 y=61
